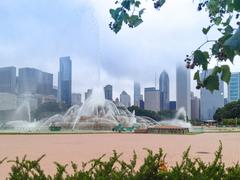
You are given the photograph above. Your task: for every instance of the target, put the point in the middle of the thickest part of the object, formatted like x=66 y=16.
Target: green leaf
x=141 y=12
x=162 y=2
x=217 y=20
x=229 y=53
x=201 y=58
x=228 y=20
x=112 y=12
x=216 y=70
x=197 y=76
x=215 y=48
x=205 y=30
x=126 y=4
x=237 y=5
x=137 y=3
x=134 y=21
x=226 y=73
x=229 y=29
x=211 y=83
x=115 y=13
x=234 y=41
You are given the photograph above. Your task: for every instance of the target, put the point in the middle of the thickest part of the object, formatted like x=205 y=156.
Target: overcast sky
x=35 y=33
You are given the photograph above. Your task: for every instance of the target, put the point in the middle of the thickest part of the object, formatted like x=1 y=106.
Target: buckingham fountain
x=96 y=114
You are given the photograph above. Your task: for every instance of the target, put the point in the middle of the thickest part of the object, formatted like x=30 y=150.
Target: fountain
x=96 y=114
x=181 y=114
x=23 y=112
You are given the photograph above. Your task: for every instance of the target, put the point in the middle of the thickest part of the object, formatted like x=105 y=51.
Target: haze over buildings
x=125 y=99
x=8 y=80
x=183 y=91
x=38 y=33
x=34 y=81
x=137 y=93
x=152 y=99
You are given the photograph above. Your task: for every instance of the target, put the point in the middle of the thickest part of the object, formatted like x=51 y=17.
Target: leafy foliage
x=129 y=12
x=154 y=167
x=223 y=17
x=229 y=111
x=158 y=116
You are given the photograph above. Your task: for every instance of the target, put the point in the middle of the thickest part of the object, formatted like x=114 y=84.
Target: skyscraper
x=172 y=105
x=65 y=80
x=195 y=107
x=152 y=99
x=210 y=101
x=108 y=91
x=35 y=81
x=183 y=95
x=8 y=79
x=88 y=94
x=76 y=99
x=125 y=99
x=234 y=87
x=164 y=90
x=137 y=94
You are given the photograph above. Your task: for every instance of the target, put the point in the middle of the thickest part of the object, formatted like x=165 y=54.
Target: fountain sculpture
x=96 y=113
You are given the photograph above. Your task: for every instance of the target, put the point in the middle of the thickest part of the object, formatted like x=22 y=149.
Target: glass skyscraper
x=108 y=90
x=34 y=81
x=164 y=90
x=137 y=94
x=183 y=95
x=152 y=99
x=8 y=79
x=234 y=87
x=210 y=101
x=65 y=80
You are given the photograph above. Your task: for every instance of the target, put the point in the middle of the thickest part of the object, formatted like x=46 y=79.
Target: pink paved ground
x=83 y=147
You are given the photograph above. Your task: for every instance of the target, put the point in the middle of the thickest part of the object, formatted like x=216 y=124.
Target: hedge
x=154 y=167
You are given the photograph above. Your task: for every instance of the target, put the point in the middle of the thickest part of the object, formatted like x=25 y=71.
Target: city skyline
x=79 y=28
x=151 y=83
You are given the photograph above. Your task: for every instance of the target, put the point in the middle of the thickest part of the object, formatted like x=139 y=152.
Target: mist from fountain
x=181 y=113
x=23 y=112
x=96 y=113
x=97 y=110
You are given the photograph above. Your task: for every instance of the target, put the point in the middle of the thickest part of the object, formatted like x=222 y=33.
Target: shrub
x=231 y=122
x=153 y=168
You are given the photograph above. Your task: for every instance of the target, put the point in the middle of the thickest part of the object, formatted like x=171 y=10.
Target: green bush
x=153 y=168
x=231 y=122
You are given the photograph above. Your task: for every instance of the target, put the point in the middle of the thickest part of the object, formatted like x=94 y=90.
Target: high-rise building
x=172 y=105
x=210 y=101
x=108 y=91
x=141 y=102
x=76 y=99
x=234 y=87
x=195 y=107
x=152 y=99
x=125 y=99
x=35 y=81
x=137 y=94
x=8 y=79
x=88 y=94
x=164 y=90
x=8 y=102
x=65 y=80
x=183 y=95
